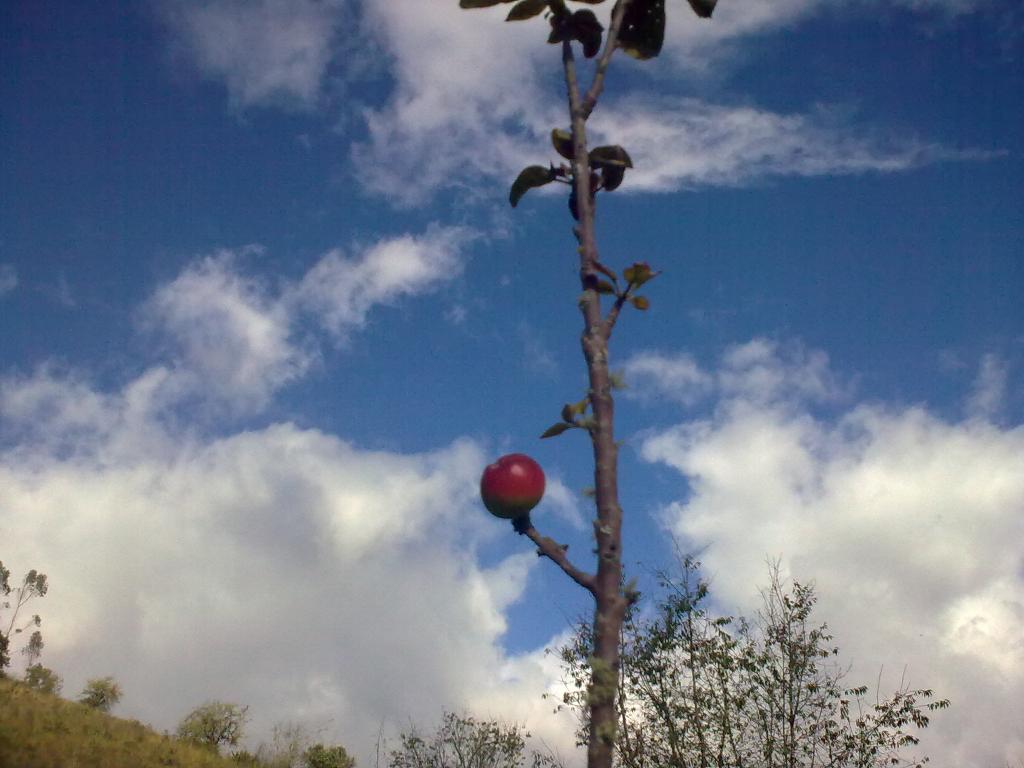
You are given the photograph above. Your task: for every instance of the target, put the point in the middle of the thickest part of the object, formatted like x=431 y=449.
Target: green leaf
x=587 y=29
x=582 y=26
x=555 y=430
x=603 y=286
x=643 y=28
x=562 y=142
x=611 y=155
x=611 y=177
x=530 y=177
x=526 y=9
x=703 y=8
x=571 y=410
x=639 y=273
x=640 y=302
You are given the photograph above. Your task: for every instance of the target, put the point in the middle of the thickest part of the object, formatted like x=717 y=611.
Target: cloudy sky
x=266 y=314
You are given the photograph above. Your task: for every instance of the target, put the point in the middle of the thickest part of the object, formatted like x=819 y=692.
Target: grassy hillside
x=41 y=731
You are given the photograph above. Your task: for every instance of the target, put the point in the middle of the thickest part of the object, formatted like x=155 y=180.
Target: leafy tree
x=320 y=756
x=33 y=585
x=214 y=724
x=42 y=679
x=101 y=693
x=636 y=27
x=701 y=690
x=464 y=742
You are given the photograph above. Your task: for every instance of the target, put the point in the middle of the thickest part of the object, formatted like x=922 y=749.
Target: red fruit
x=512 y=486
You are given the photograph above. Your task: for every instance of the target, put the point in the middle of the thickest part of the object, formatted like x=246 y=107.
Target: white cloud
x=678 y=143
x=950 y=7
x=340 y=290
x=760 y=371
x=236 y=339
x=52 y=405
x=537 y=355
x=265 y=52
x=561 y=501
x=989 y=390
x=705 y=45
x=228 y=330
x=676 y=376
x=58 y=412
x=909 y=524
x=8 y=279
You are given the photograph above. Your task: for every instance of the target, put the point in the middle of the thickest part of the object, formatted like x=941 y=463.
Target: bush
x=39 y=678
x=100 y=693
x=214 y=724
x=319 y=756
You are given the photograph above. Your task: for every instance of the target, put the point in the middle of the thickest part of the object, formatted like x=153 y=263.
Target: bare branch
x=610 y=43
x=571 y=81
x=553 y=551
x=613 y=313
x=581 y=180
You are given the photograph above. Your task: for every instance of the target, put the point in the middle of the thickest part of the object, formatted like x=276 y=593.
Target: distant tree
x=286 y=747
x=39 y=678
x=214 y=724
x=34 y=647
x=701 y=691
x=100 y=693
x=294 y=745
x=320 y=756
x=287 y=744
x=464 y=742
x=33 y=585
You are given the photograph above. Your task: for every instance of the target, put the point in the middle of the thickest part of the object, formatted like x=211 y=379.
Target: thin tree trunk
x=610 y=602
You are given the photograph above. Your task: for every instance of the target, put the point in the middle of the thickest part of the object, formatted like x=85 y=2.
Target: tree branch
x=553 y=551
x=571 y=81
x=584 y=230
x=610 y=43
x=613 y=313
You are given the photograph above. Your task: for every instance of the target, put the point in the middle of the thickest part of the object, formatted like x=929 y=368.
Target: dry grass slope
x=42 y=731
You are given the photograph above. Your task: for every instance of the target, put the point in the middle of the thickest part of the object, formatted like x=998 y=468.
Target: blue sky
x=267 y=314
